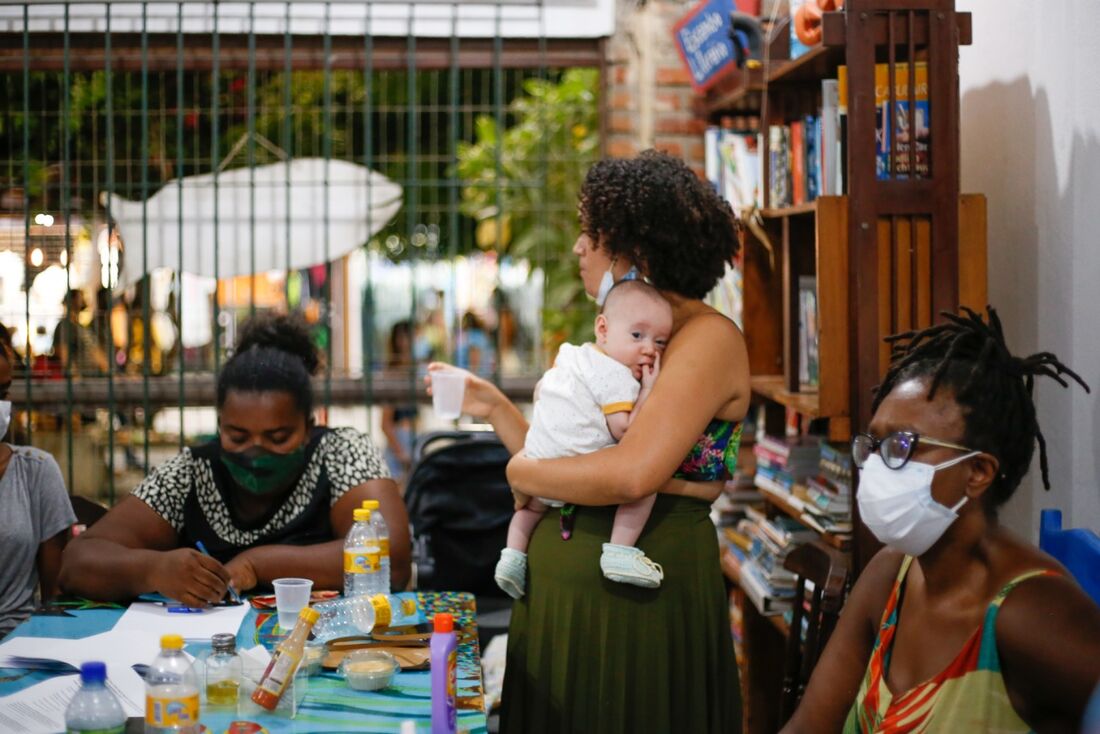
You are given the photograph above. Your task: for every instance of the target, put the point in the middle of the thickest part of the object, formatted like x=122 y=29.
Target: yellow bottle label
x=171 y=711
x=382 y=612
x=384 y=547
x=360 y=562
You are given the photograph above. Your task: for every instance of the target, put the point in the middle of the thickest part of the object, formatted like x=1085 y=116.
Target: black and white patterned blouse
x=192 y=492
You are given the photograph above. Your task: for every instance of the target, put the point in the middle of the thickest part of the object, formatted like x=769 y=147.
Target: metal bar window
x=364 y=173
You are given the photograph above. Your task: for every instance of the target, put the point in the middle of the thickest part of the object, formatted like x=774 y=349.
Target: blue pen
x=184 y=610
x=232 y=593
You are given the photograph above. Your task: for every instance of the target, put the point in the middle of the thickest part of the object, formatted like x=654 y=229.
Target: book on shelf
x=808 y=339
x=829 y=127
x=842 y=127
x=798 y=162
x=811 y=130
x=909 y=127
x=767 y=601
x=779 y=162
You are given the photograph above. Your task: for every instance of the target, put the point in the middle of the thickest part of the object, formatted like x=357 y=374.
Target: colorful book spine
x=906 y=129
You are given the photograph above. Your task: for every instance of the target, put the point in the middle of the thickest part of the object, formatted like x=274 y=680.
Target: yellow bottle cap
x=309 y=614
x=361 y=515
x=371 y=504
x=171 y=642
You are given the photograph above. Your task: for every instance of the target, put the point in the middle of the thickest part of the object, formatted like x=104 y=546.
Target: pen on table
x=232 y=593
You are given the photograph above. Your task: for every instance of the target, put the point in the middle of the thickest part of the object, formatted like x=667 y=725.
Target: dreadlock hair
x=273 y=354
x=968 y=356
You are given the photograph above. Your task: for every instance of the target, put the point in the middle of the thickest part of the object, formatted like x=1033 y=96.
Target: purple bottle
x=444 y=656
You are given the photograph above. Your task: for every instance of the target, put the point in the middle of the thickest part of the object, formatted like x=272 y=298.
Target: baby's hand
x=650 y=373
x=520 y=499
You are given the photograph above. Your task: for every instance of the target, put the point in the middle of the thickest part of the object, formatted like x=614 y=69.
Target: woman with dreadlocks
x=271 y=496
x=957 y=625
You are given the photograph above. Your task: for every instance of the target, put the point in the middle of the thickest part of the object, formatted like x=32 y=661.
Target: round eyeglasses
x=895 y=449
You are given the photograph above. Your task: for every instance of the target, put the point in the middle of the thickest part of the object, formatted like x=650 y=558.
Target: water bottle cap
x=223 y=642
x=93 y=672
x=309 y=614
x=171 y=642
x=371 y=504
x=443 y=622
x=361 y=515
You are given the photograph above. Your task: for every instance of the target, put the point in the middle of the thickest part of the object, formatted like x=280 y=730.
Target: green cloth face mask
x=262 y=472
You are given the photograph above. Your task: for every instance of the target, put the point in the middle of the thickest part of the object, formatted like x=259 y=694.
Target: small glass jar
x=223 y=672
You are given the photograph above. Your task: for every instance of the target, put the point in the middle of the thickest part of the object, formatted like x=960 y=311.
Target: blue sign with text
x=703 y=38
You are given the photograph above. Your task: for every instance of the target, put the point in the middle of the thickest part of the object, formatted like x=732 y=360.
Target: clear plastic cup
x=448 y=389
x=291 y=595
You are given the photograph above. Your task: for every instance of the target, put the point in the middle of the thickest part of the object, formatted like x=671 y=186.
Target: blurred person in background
x=398 y=421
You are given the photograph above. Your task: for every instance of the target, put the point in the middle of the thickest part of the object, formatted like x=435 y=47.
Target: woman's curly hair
x=655 y=212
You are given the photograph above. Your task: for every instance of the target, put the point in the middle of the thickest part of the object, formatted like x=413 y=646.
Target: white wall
x=1030 y=88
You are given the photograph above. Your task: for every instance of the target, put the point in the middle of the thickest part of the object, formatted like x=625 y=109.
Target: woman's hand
x=242 y=574
x=480 y=397
x=189 y=577
x=484 y=400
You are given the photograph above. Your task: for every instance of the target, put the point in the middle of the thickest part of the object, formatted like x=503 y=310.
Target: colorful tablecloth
x=329 y=705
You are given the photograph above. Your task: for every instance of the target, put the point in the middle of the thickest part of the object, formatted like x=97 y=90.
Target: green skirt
x=590 y=655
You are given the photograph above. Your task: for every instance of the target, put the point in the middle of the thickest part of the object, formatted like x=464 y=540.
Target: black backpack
x=459 y=505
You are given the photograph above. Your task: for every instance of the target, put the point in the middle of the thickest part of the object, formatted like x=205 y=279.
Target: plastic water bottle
x=358 y=615
x=171 y=691
x=378 y=522
x=94 y=709
x=362 y=556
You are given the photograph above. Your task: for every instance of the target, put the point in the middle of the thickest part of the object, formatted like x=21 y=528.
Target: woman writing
x=957 y=625
x=586 y=654
x=272 y=496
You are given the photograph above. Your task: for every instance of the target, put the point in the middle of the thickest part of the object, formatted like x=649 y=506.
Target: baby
x=584 y=403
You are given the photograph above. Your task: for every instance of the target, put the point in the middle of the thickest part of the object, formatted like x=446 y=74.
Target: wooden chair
x=826 y=569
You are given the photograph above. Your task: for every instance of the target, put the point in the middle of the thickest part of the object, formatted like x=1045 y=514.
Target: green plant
x=521 y=185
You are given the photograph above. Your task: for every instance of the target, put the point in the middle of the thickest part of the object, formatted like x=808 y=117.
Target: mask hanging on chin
x=5 y=417
x=897 y=504
x=607 y=282
x=262 y=472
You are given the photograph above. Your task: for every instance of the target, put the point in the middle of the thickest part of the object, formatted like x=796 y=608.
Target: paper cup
x=291 y=596
x=448 y=388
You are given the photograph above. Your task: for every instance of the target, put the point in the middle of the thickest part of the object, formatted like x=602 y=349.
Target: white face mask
x=5 y=417
x=607 y=282
x=897 y=505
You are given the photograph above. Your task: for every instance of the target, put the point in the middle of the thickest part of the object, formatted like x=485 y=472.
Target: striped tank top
x=969 y=695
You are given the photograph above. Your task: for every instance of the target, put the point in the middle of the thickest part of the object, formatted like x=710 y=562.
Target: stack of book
x=782 y=462
x=767 y=584
x=826 y=499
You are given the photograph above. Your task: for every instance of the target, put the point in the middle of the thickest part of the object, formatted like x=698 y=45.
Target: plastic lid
x=171 y=642
x=443 y=622
x=309 y=614
x=223 y=642
x=93 y=672
x=361 y=515
x=371 y=504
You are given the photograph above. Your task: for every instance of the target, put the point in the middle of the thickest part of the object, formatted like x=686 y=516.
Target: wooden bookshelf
x=816 y=64
x=806 y=208
x=887 y=256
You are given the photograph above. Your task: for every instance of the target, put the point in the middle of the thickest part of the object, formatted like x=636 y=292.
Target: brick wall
x=650 y=102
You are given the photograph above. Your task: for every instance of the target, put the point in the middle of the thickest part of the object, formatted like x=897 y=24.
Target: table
x=329 y=704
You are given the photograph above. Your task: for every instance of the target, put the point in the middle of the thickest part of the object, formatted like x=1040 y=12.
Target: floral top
x=714 y=455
